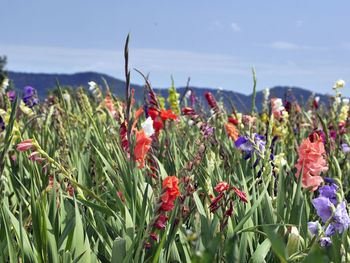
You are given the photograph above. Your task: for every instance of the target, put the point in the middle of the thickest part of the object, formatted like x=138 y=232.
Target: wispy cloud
x=61 y=59
x=235 y=27
x=284 y=45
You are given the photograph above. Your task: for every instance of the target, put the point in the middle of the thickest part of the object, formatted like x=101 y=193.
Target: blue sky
x=216 y=43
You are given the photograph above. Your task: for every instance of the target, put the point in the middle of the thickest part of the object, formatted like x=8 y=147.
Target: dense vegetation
x=90 y=177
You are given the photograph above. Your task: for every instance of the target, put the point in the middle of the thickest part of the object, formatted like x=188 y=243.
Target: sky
x=215 y=43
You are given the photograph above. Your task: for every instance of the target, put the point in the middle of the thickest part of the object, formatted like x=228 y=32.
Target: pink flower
x=35 y=157
x=25 y=145
x=311 y=155
x=221 y=187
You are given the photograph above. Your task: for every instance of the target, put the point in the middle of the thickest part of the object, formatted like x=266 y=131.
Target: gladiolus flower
x=161 y=222
x=311 y=160
x=221 y=187
x=240 y=194
x=143 y=144
x=231 y=131
x=170 y=192
x=167 y=114
x=147 y=126
x=25 y=145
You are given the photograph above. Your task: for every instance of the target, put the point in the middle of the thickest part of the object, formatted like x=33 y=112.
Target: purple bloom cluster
x=345 y=148
x=330 y=210
x=243 y=143
x=30 y=97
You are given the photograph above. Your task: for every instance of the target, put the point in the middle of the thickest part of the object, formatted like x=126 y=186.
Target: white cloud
x=283 y=45
x=235 y=27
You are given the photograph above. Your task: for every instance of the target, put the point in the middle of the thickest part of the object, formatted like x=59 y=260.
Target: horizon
x=216 y=45
x=176 y=86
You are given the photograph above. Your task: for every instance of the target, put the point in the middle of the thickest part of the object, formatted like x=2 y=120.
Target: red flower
x=143 y=144
x=158 y=125
x=161 y=221
x=188 y=111
x=221 y=187
x=211 y=100
x=153 y=113
x=170 y=192
x=240 y=194
x=167 y=114
x=215 y=203
x=233 y=120
x=154 y=236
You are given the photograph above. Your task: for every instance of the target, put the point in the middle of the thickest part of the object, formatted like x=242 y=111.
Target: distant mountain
x=44 y=82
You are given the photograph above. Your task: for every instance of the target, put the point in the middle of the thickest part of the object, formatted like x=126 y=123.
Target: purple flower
x=323 y=207
x=325 y=241
x=314 y=227
x=30 y=96
x=11 y=95
x=328 y=180
x=243 y=143
x=330 y=192
x=341 y=219
x=207 y=130
x=345 y=147
x=330 y=231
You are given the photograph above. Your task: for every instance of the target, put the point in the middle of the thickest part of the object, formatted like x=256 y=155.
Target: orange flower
x=231 y=131
x=311 y=155
x=143 y=144
x=170 y=192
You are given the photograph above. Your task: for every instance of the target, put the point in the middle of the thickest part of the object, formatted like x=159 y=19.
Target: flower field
x=89 y=177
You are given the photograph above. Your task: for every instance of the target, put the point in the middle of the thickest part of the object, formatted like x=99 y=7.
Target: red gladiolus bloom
x=167 y=114
x=188 y=111
x=158 y=125
x=153 y=113
x=143 y=144
x=211 y=100
x=154 y=236
x=170 y=192
x=221 y=187
x=240 y=194
x=161 y=222
x=233 y=120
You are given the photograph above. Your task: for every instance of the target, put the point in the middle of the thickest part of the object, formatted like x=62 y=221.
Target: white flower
x=317 y=99
x=92 y=85
x=66 y=97
x=337 y=100
x=190 y=122
x=339 y=84
x=277 y=105
x=188 y=94
x=346 y=101
x=147 y=126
